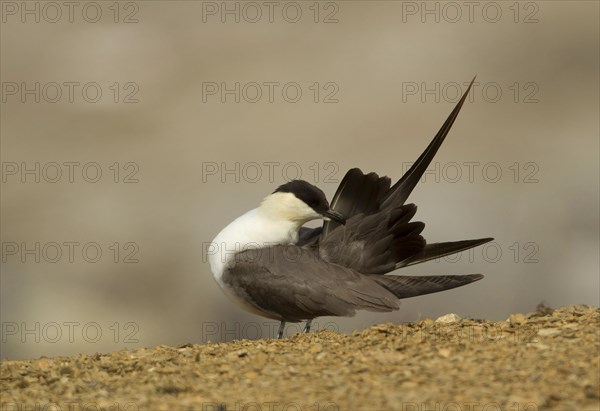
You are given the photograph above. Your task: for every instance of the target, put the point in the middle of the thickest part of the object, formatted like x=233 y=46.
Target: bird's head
x=300 y=202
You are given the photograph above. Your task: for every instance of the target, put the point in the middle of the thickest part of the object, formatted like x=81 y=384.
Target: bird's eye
x=315 y=204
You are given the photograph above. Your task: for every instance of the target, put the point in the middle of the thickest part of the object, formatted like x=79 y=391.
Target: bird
x=278 y=269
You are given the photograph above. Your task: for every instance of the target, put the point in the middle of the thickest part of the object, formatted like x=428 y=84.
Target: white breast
x=251 y=230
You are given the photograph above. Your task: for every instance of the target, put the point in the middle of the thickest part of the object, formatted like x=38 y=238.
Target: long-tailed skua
x=291 y=273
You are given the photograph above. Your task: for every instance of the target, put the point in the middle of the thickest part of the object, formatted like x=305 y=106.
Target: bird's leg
x=280 y=332
x=307 y=327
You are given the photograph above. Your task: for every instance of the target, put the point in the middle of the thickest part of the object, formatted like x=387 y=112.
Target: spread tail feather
x=438 y=250
x=411 y=286
x=402 y=189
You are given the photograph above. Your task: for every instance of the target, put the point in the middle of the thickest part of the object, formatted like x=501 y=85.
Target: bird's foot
x=281 y=328
x=307 y=327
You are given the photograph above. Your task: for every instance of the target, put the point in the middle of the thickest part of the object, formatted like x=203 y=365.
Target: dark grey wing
x=379 y=235
x=358 y=193
x=309 y=237
x=375 y=243
x=293 y=283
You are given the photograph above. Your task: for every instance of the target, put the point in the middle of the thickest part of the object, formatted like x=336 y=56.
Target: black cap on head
x=311 y=195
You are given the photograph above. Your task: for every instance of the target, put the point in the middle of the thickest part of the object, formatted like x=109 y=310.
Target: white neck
x=276 y=221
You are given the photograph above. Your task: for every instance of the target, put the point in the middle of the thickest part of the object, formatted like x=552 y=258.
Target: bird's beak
x=335 y=216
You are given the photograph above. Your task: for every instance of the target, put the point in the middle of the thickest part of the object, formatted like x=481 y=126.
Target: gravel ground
x=543 y=360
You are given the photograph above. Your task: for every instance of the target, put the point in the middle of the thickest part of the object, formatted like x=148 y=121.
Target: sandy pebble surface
x=548 y=359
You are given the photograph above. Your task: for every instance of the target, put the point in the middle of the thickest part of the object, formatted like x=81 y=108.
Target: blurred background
x=132 y=132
